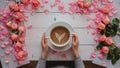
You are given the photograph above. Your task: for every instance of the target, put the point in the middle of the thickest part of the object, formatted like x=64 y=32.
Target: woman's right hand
x=75 y=44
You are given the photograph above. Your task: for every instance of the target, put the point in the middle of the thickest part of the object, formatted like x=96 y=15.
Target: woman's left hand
x=45 y=48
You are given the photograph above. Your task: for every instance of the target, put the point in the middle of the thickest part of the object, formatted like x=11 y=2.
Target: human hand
x=44 y=45
x=75 y=43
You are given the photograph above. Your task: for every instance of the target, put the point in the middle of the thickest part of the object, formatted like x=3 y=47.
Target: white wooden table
x=40 y=22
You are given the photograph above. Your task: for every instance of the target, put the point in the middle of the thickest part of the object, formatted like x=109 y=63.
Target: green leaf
x=102 y=32
x=116 y=51
x=110 y=56
x=115 y=25
x=100 y=45
x=115 y=59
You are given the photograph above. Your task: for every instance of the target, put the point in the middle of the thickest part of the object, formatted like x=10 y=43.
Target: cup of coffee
x=60 y=36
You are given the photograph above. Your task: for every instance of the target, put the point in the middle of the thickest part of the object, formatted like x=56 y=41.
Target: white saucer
x=48 y=36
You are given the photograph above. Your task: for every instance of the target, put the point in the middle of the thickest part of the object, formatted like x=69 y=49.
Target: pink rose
x=25 y=2
x=101 y=26
x=15 y=7
x=14 y=26
x=18 y=45
x=22 y=39
x=14 y=37
x=21 y=28
x=105 y=49
x=102 y=38
x=106 y=20
x=61 y=7
x=105 y=9
x=80 y=4
x=19 y=15
x=21 y=55
x=35 y=4
x=109 y=41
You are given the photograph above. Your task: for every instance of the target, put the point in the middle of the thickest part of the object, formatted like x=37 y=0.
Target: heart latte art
x=60 y=35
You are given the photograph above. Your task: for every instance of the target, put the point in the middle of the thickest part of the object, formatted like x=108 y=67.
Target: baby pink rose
x=18 y=45
x=102 y=38
x=19 y=15
x=21 y=55
x=14 y=26
x=105 y=49
x=101 y=26
x=21 y=28
x=25 y=2
x=61 y=7
x=35 y=4
x=14 y=37
x=109 y=41
x=106 y=20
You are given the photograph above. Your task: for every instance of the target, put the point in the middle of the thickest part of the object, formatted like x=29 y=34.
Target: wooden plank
x=43 y=21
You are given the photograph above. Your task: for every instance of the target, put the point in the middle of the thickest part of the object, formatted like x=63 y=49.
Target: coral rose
x=106 y=20
x=109 y=41
x=101 y=26
x=102 y=38
x=105 y=49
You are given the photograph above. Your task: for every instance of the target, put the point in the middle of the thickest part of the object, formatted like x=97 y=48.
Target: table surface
x=41 y=21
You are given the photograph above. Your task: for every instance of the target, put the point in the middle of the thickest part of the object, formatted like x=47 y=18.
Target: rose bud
x=19 y=15
x=80 y=4
x=22 y=39
x=14 y=37
x=102 y=38
x=14 y=26
x=106 y=20
x=109 y=41
x=21 y=28
x=18 y=45
x=101 y=26
x=87 y=4
x=105 y=49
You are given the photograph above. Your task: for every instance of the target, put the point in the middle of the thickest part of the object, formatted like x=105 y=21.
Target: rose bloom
x=21 y=55
x=19 y=15
x=22 y=39
x=14 y=26
x=106 y=20
x=105 y=49
x=21 y=28
x=105 y=9
x=102 y=38
x=25 y=2
x=15 y=7
x=109 y=41
x=80 y=4
x=101 y=26
x=35 y=4
x=14 y=37
x=18 y=45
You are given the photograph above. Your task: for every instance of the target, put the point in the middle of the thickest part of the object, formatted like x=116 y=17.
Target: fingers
x=43 y=39
x=74 y=37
